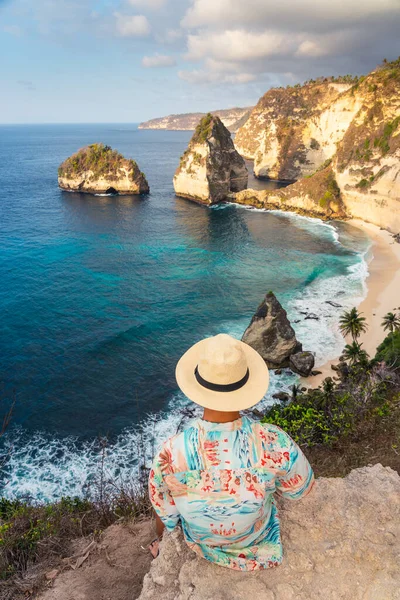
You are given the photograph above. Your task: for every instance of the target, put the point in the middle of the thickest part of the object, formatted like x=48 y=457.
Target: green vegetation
x=382 y=142
x=203 y=129
x=32 y=534
x=100 y=159
x=364 y=398
x=314 y=144
x=363 y=183
x=332 y=191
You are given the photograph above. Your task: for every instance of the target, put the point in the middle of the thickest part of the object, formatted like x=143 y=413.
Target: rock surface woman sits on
x=217 y=478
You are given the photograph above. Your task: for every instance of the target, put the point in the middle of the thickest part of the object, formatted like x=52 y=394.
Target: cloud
x=12 y=30
x=204 y=77
x=150 y=4
x=302 y=37
x=131 y=25
x=27 y=85
x=158 y=60
x=236 y=45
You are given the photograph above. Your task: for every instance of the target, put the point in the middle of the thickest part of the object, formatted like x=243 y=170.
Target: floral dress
x=218 y=481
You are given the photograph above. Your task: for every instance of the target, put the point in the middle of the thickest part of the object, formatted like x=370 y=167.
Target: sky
x=81 y=61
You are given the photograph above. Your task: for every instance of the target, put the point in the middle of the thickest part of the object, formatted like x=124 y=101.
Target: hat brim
x=247 y=396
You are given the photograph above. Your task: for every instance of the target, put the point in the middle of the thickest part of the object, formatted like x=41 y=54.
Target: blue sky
x=131 y=60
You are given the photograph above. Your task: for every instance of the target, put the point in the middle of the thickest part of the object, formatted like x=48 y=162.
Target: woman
x=217 y=478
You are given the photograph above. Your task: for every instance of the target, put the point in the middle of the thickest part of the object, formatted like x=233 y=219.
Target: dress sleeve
x=298 y=478
x=160 y=495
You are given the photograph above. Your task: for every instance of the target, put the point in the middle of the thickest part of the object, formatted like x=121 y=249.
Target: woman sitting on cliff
x=218 y=476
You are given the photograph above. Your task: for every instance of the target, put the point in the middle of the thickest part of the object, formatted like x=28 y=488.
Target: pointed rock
x=271 y=334
x=211 y=168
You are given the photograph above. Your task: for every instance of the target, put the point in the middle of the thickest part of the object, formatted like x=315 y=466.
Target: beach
x=383 y=294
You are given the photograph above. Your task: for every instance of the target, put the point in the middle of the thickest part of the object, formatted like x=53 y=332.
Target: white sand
x=383 y=296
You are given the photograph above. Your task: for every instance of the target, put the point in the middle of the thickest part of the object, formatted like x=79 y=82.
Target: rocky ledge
x=210 y=169
x=98 y=169
x=340 y=542
x=318 y=196
x=271 y=334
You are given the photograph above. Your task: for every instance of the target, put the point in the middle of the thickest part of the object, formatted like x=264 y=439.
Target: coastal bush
x=389 y=350
x=389 y=128
x=102 y=160
x=203 y=129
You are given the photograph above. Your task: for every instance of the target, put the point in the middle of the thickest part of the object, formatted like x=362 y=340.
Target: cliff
x=232 y=118
x=210 y=169
x=341 y=541
x=294 y=133
x=97 y=169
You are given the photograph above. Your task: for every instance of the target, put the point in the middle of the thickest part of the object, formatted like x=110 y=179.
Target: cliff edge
x=340 y=542
x=98 y=169
x=210 y=169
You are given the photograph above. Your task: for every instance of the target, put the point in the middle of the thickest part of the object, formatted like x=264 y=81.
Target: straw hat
x=223 y=374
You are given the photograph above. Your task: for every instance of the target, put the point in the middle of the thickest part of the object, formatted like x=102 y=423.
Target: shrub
x=389 y=350
x=102 y=160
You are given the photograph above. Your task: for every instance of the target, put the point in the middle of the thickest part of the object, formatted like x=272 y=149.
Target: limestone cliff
x=318 y=196
x=293 y=131
x=355 y=128
x=210 y=169
x=97 y=169
x=232 y=118
x=340 y=542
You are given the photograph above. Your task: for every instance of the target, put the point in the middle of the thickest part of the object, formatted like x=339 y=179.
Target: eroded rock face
x=210 y=169
x=271 y=334
x=340 y=542
x=293 y=131
x=98 y=169
x=302 y=363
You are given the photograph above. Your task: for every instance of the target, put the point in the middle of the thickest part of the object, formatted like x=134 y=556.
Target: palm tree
x=296 y=389
x=354 y=353
x=391 y=322
x=352 y=323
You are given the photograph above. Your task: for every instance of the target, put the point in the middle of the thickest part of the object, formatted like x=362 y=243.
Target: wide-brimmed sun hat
x=223 y=374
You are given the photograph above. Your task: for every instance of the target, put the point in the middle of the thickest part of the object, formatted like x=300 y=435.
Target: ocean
x=100 y=296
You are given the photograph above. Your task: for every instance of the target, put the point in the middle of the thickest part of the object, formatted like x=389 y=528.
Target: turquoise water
x=100 y=296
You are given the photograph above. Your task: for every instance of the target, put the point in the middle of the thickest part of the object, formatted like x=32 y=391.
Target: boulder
x=282 y=396
x=98 y=169
x=271 y=334
x=210 y=169
x=340 y=542
x=302 y=363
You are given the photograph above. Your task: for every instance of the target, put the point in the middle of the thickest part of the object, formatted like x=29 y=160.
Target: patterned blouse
x=218 y=480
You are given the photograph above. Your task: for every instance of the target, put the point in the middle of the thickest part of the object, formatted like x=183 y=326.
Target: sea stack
x=271 y=334
x=211 y=168
x=98 y=169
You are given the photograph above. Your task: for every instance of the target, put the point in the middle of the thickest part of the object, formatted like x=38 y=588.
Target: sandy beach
x=383 y=295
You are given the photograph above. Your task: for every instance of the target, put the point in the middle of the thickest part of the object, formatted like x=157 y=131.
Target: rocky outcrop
x=232 y=118
x=340 y=542
x=271 y=334
x=317 y=196
x=210 y=169
x=97 y=169
x=302 y=363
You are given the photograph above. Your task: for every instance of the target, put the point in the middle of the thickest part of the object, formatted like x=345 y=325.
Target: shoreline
x=383 y=293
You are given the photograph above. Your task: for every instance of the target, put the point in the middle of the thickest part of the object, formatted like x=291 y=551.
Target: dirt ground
x=113 y=570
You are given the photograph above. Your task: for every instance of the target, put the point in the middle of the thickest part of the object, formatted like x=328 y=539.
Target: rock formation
x=355 y=127
x=97 y=169
x=318 y=196
x=302 y=363
x=232 y=118
x=271 y=334
x=210 y=169
x=340 y=542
